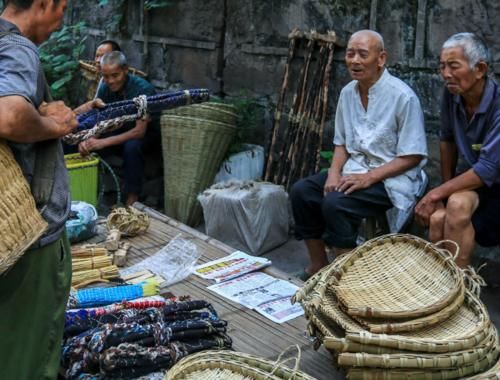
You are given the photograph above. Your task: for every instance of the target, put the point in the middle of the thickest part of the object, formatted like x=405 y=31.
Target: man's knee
x=334 y=202
x=132 y=147
x=437 y=218
x=299 y=191
x=460 y=207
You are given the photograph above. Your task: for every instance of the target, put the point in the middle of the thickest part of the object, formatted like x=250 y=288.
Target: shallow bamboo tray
x=229 y=365
x=397 y=276
x=447 y=360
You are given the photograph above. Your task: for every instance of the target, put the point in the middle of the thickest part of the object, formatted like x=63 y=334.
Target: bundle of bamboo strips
x=104 y=273
x=81 y=264
x=296 y=140
x=88 y=250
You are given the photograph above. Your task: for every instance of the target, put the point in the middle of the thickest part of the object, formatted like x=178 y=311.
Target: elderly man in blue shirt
x=465 y=208
x=129 y=140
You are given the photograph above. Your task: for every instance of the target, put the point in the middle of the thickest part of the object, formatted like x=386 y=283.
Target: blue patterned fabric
x=104 y=296
x=156 y=103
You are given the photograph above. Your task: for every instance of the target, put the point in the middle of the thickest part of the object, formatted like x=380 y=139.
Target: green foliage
x=59 y=56
x=326 y=156
x=249 y=116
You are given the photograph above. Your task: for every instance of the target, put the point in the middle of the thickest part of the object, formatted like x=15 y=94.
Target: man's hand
x=90 y=145
x=332 y=182
x=85 y=107
x=353 y=182
x=64 y=117
x=425 y=208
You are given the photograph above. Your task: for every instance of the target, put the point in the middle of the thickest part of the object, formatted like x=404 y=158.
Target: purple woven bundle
x=155 y=103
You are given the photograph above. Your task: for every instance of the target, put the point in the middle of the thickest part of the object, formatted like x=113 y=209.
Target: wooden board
x=251 y=332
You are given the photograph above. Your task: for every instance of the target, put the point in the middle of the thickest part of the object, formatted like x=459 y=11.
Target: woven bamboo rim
x=421 y=360
x=229 y=365
x=491 y=374
x=208 y=111
x=396 y=326
x=20 y=222
x=445 y=374
x=463 y=330
x=89 y=70
x=397 y=276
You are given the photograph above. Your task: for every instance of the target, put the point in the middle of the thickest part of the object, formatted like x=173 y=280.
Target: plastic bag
x=174 y=262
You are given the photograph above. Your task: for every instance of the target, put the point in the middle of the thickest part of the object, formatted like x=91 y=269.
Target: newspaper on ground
x=268 y=295
x=236 y=264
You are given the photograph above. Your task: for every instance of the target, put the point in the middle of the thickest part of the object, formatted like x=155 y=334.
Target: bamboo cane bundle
x=105 y=273
x=90 y=263
x=88 y=250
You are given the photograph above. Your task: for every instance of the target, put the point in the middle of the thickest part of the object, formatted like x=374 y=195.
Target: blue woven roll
x=155 y=104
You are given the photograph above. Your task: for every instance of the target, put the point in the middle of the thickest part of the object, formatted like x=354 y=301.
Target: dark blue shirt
x=134 y=86
x=477 y=139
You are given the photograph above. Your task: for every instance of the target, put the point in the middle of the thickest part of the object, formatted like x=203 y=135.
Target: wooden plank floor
x=251 y=332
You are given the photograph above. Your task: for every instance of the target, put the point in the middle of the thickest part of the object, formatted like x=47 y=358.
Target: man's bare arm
x=21 y=122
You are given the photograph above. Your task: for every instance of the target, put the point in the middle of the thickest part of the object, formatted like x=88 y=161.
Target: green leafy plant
x=248 y=111
x=326 y=158
x=59 y=56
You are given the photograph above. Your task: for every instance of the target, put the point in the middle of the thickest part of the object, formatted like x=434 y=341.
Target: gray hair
x=114 y=58
x=475 y=50
x=377 y=35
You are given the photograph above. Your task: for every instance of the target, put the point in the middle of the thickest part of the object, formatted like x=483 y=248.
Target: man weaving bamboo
x=380 y=147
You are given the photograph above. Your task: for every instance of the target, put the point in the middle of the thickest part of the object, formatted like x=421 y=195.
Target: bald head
x=365 y=57
x=376 y=40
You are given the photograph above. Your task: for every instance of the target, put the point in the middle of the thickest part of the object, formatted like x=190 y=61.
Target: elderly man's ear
x=382 y=58
x=481 y=69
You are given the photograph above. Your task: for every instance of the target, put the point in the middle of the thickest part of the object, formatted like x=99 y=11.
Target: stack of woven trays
x=230 y=365
x=398 y=307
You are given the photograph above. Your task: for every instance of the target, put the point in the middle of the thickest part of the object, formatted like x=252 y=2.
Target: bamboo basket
x=193 y=150
x=209 y=111
x=229 y=365
x=20 y=222
x=397 y=276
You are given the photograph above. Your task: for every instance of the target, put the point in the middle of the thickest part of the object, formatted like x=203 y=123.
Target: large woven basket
x=229 y=365
x=397 y=276
x=208 y=111
x=193 y=150
x=20 y=222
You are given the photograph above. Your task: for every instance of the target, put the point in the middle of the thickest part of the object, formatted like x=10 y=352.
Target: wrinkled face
x=114 y=76
x=364 y=58
x=101 y=50
x=459 y=78
x=50 y=18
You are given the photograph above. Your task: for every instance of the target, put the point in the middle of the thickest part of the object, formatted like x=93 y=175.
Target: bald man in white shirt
x=379 y=149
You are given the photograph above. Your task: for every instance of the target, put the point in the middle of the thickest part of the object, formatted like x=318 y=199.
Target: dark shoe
x=303 y=275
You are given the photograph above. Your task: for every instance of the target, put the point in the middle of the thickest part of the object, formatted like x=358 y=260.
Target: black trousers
x=336 y=217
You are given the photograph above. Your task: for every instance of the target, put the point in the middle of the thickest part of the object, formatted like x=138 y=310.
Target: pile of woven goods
x=129 y=331
x=398 y=307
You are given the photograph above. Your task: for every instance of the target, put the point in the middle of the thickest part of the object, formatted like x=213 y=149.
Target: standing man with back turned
x=34 y=292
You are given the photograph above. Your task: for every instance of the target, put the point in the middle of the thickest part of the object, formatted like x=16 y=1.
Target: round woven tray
x=229 y=365
x=20 y=222
x=421 y=360
x=397 y=276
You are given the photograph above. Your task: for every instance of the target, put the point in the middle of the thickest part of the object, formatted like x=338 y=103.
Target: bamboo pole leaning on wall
x=296 y=139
